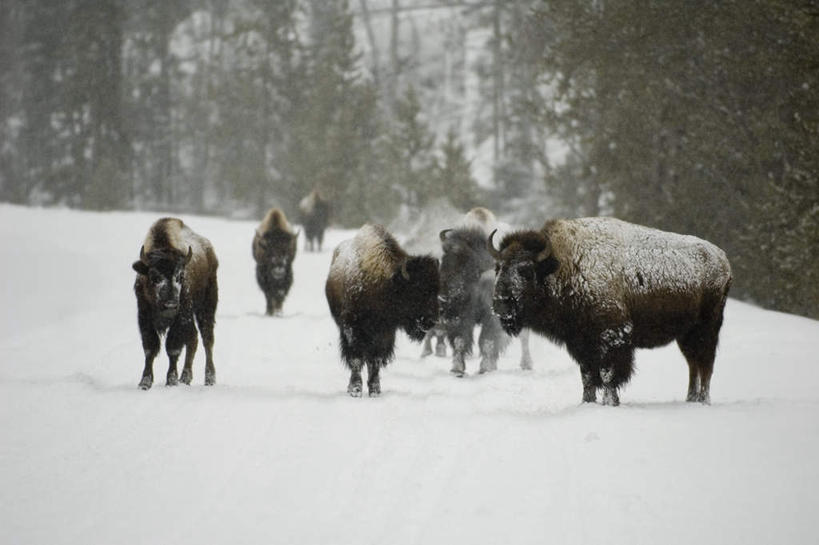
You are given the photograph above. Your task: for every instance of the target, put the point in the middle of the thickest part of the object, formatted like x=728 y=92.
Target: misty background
x=698 y=117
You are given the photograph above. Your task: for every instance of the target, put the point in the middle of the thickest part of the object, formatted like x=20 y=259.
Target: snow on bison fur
x=374 y=287
x=604 y=287
x=274 y=249
x=176 y=281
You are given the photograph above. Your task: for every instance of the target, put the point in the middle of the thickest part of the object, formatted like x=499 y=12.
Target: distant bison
x=274 y=248
x=604 y=287
x=315 y=214
x=467 y=278
x=176 y=280
x=374 y=288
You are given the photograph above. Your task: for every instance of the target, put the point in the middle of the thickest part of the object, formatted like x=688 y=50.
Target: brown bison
x=176 y=281
x=315 y=214
x=374 y=287
x=274 y=248
x=604 y=287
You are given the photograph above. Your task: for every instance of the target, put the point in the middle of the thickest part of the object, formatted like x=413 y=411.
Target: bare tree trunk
x=392 y=82
x=368 y=26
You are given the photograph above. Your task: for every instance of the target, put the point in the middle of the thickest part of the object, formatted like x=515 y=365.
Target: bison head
x=522 y=264
x=416 y=285
x=275 y=250
x=465 y=258
x=164 y=271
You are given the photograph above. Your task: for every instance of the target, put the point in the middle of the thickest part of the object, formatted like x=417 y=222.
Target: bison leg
x=205 y=319
x=427 y=350
x=373 y=378
x=489 y=343
x=173 y=346
x=190 y=352
x=440 y=345
x=150 y=346
x=354 y=387
x=614 y=372
x=590 y=380
x=699 y=348
x=458 y=357
x=270 y=305
x=525 y=355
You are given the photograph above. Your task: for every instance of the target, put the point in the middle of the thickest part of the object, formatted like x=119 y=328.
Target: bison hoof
x=426 y=352
x=354 y=390
x=457 y=372
x=375 y=392
x=172 y=380
x=210 y=379
x=146 y=382
x=186 y=377
x=440 y=350
x=526 y=364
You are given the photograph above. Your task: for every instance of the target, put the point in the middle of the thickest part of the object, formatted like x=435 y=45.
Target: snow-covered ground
x=277 y=452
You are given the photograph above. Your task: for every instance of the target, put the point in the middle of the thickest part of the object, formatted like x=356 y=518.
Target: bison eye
x=155 y=277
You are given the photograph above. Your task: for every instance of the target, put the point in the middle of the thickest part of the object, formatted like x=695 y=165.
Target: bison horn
x=443 y=233
x=142 y=253
x=404 y=271
x=190 y=255
x=490 y=245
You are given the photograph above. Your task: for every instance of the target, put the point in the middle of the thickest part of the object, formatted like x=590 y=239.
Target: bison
x=274 y=248
x=604 y=287
x=373 y=288
x=467 y=279
x=176 y=281
x=315 y=213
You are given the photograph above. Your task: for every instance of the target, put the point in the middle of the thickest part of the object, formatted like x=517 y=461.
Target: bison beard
x=604 y=287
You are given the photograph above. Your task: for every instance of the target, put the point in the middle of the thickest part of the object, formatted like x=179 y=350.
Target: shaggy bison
x=604 y=287
x=315 y=213
x=374 y=287
x=176 y=281
x=467 y=279
x=274 y=248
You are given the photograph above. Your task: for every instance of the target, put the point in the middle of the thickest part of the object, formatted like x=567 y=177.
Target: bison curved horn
x=442 y=234
x=190 y=255
x=142 y=253
x=404 y=271
x=490 y=245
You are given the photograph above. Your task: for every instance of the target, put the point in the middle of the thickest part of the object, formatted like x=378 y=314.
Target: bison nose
x=501 y=306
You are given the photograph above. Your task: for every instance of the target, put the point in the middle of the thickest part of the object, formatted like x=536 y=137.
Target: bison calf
x=274 y=248
x=374 y=288
x=176 y=281
x=604 y=287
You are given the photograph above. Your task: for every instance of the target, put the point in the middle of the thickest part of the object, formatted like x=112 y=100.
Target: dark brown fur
x=175 y=283
x=604 y=287
x=274 y=249
x=315 y=214
x=373 y=289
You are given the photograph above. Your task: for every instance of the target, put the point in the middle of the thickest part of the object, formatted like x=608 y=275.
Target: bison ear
x=547 y=266
x=140 y=267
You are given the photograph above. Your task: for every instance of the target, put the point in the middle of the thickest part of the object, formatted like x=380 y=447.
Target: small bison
x=374 y=287
x=274 y=248
x=604 y=287
x=176 y=280
x=315 y=214
x=467 y=278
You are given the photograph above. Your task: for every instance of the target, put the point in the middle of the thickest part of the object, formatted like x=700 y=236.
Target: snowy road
x=278 y=453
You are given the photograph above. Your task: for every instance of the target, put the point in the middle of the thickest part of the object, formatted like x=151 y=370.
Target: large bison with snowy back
x=604 y=287
x=374 y=287
x=175 y=283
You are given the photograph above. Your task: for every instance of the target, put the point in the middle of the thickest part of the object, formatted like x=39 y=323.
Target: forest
x=698 y=117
